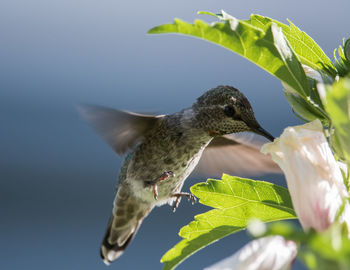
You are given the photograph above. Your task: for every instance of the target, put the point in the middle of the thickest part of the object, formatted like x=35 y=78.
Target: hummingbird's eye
x=229 y=111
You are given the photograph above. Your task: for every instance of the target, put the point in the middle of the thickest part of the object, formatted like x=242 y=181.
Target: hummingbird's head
x=225 y=110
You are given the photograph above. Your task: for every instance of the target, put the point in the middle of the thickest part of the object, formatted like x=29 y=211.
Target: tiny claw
x=174 y=208
x=176 y=203
x=193 y=199
x=178 y=196
x=155 y=191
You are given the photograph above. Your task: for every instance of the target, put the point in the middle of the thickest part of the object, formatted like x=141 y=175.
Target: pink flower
x=313 y=175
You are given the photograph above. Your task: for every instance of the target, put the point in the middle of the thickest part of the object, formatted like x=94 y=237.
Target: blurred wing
x=236 y=154
x=120 y=129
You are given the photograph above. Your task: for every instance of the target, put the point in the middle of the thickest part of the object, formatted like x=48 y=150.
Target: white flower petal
x=267 y=253
x=313 y=176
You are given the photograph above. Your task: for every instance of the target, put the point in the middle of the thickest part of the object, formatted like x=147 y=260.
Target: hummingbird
x=163 y=150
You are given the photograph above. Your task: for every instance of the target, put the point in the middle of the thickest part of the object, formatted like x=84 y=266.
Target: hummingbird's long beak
x=259 y=130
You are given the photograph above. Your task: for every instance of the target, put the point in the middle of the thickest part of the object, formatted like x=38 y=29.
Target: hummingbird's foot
x=155 y=182
x=179 y=195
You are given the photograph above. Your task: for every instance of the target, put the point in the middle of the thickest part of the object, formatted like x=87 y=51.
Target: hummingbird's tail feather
x=122 y=228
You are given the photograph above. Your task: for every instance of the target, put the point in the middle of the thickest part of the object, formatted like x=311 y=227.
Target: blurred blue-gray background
x=57 y=176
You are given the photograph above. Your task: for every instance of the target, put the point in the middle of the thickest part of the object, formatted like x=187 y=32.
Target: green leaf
x=342 y=62
x=329 y=249
x=266 y=47
x=347 y=49
x=308 y=51
x=338 y=107
x=310 y=108
x=237 y=200
x=304 y=109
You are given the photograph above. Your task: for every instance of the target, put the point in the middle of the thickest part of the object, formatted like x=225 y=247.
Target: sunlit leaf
x=338 y=107
x=308 y=51
x=237 y=200
x=266 y=47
